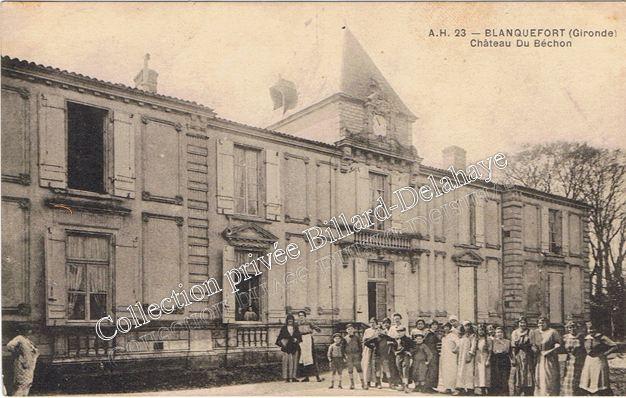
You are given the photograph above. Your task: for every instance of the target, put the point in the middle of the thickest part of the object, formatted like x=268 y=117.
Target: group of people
x=459 y=358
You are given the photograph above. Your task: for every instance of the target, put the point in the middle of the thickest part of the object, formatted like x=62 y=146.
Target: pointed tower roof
x=330 y=68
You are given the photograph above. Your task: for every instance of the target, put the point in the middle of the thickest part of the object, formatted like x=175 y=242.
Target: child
x=422 y=357
x=24 y=354
x=403 y=347
x=353 y=355
x=336 y=355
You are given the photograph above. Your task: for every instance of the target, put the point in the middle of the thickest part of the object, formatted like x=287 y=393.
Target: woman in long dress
x=368 y=359
x=467 y=352
x=289 y=340
x=500 y=363
x=307 y=358
x=482 y=370
x=433 y=340
x=594 y=377
x=574 y=344
x=547 y=371
x=448 y=359
x=522 y=360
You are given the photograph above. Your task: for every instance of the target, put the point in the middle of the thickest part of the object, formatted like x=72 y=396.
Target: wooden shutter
x=396 y=215
x=363 y=193
x=480 y=219
x=399 y=287
x=564 y=221
x=545 y=229
x=52 y=141
x=228 y=297
x=225 y=177
x=56 y=291
x=272 y=186
x=362 y=309
x=123 y=155
x=381 y=300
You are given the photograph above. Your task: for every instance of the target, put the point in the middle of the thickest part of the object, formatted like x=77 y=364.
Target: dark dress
x=523 y=362
x=432 y=341
x=500 y=367
x=289 y=344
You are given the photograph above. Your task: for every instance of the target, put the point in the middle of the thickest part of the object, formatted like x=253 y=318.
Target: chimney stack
x=454 y=156
x=146 y=79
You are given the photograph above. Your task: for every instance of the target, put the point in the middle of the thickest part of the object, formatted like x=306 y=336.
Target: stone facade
x=169 y=209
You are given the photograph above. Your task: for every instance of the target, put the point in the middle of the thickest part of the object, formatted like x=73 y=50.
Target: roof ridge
x=26 y=63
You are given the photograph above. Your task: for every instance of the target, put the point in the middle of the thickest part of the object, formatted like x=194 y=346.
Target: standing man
x=307 y=348
x=394 y=333
x=24 y=355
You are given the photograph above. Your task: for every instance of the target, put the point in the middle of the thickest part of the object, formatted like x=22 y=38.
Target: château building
x=113 y=195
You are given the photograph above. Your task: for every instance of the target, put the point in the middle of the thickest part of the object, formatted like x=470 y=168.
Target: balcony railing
x=252 y=336
x=382 y=239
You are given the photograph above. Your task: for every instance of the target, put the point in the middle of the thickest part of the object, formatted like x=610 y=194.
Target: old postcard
x=310 y=198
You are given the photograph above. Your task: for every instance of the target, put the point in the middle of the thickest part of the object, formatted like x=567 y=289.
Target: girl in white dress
x=467 y=352
x=448 y=359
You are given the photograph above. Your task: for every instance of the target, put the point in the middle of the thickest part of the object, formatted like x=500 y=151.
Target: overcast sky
x=227 y=55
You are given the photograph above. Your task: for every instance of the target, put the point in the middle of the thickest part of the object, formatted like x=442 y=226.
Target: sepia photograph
x=313 y=198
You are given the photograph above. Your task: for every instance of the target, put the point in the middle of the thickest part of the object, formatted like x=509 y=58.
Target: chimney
x=284 y=95
x=146 y=79
x=454 y=156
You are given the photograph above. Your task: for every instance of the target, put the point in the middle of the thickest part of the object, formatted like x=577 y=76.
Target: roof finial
x=146 y=79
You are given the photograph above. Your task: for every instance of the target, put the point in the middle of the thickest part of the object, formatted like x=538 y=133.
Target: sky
x=226 y=56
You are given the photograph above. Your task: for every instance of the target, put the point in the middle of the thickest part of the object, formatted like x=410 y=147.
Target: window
x=378 y=185
x=248 y=302
x=87 y=272
x=555 y=227
x=85 y=147
x=247 y=177
x=472 y=220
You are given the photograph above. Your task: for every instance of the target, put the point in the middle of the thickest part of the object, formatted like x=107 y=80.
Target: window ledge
x=249 y=323
x=91 y=206
x=85 y=194
x=243 y=217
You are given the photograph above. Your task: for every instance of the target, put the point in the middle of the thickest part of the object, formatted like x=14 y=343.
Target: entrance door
x=377 y=289
x=467 y=297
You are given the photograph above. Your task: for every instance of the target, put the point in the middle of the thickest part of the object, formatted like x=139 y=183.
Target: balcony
x=383 y=239
x=252 y=336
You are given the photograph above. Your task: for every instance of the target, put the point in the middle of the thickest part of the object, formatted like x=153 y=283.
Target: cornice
x=49 y=76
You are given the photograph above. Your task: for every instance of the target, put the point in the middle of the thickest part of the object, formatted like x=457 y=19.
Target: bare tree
x=596 y=176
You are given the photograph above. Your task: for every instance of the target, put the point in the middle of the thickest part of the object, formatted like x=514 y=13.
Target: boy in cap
x=403 y=350
x=336 y=355
x=422 y=357
x=353 y=355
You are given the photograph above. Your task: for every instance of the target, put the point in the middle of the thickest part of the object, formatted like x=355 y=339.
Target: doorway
x=377 y=285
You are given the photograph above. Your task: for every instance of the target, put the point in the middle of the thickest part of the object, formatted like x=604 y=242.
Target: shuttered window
x=85 y=147
x=87 y=276
x=247 y=177
x=555 y=225
x=378 y=189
